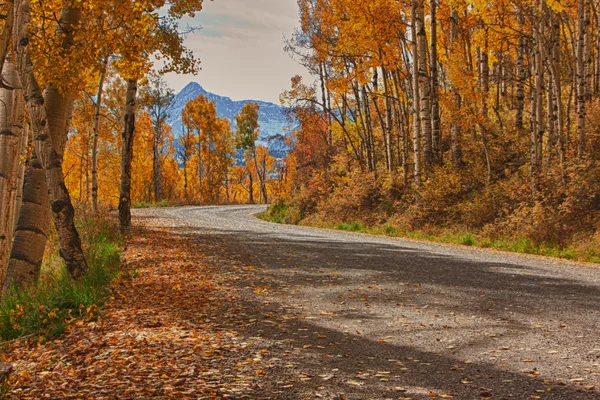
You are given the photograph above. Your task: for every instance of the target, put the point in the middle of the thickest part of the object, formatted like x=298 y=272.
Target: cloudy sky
x=241 y=48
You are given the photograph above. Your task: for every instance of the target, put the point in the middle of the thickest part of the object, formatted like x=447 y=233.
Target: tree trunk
x=156 y=175
x=251 y=188
x=50 y=153
x=537 y=131
x=389 y=121
x=416 y=98
x=21 y=175
x=95 y=137
x=261 y=178
x=7 y=31
x=581 y=71
x=597 y=65
x=435 y=106
x=127 y=156
x=455 y=129
x=32 y=228
x=520 y=67
x=11 y=144
x=424 y=86
x=587 y=50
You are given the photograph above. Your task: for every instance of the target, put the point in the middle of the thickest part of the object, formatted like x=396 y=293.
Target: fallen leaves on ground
x=158 y=337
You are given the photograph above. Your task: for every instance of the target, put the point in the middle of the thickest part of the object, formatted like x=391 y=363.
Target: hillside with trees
x=469 y=121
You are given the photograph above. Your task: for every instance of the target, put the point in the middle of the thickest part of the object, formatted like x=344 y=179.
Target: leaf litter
x=160 y=336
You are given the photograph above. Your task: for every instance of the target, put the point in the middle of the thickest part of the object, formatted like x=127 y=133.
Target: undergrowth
x=44 y=310
x=588 y=253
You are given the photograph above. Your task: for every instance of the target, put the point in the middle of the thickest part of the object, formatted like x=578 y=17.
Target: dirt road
x=340 y=315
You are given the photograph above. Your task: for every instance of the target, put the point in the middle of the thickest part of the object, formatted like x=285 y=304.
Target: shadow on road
x=307 y=353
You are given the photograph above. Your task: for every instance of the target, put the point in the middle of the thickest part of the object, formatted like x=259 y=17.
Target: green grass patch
x=520 y=245
x=352 y=227
x=44 y=310
x=277 y=213
x=158 y=204
x=283 y=213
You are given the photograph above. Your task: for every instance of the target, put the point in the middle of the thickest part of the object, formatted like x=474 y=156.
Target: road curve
x=364 y=316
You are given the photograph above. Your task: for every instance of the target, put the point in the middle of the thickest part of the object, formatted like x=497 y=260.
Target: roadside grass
x=586 y=251
x=159 y=204
x=45 y=310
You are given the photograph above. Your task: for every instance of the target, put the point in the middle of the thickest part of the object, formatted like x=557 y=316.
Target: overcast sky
x=241 y=49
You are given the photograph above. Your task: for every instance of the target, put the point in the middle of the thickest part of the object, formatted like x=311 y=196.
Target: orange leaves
x=209 y=145
x=151 y=341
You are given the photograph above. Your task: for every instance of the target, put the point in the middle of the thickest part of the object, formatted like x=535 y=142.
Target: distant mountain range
x=271 y=116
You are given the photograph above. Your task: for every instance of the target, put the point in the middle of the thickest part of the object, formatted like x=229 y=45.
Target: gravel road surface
x=352 y=316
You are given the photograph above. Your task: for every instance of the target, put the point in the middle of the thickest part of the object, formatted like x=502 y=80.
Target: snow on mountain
x=271 y=116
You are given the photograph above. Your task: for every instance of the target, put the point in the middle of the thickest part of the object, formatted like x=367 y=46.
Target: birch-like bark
x=389 y=121
x=416 y=98
x=95 y=137
x=537 y=115
x=455 y=129
x=48 y=152
x=7 y=31
x=11 y=145
x=18 y=200
x=436 y=135
x=31 y=233
x=424 y=86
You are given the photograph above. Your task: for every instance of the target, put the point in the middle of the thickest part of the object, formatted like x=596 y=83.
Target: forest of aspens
x=474 y=122
x=470 y=121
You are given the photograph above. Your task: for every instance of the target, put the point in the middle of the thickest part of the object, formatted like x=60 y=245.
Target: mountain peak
x=271 y=116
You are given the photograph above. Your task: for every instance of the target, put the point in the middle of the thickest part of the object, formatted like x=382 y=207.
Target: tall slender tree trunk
x=49 y=152
x=185 y=180
x=597 y=64
x=261 y=178
x=156 y=168
x=251 y=188
x=424 y=86
x=537 y=131
x=88 y=139
x=581 y=74
x=416 y=98
x=11 y=146
x=435 y=106
x=96 y=135
x=520 y=67
x=127 y=155
x=587 y=50
x=32 y=228
x=455 y=128
x=389 y=121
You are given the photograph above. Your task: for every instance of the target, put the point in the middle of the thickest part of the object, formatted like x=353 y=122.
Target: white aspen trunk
x=424 y=86
x=455 y=129
x=32 y=228
x=520 y=67
x=95 y=137
x=416 y=98
x=49 y=153
x=11 y=144
x=436 y=134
